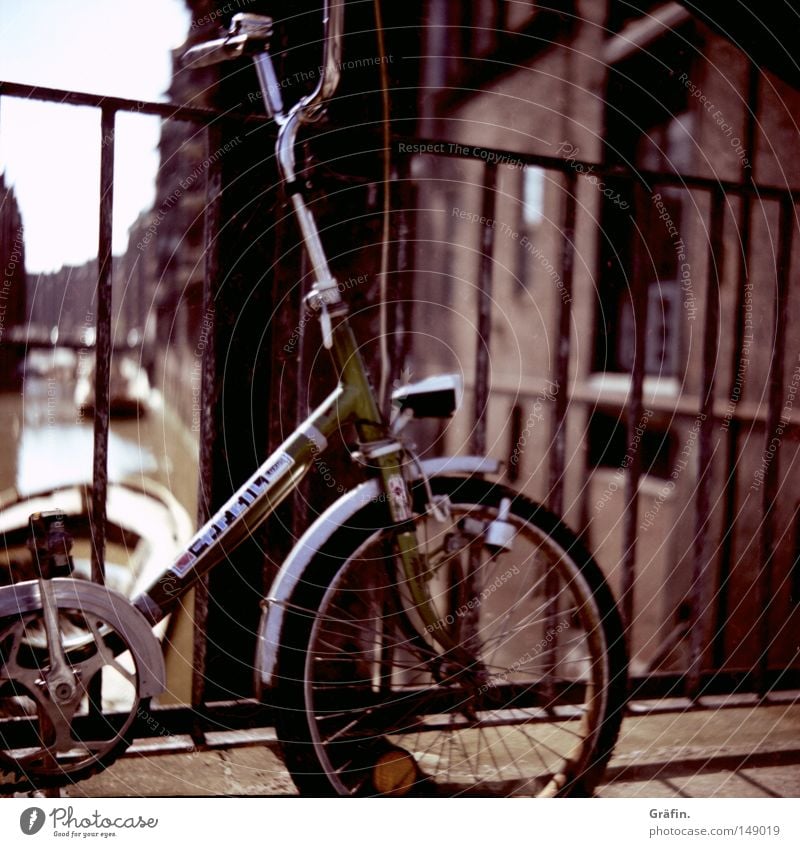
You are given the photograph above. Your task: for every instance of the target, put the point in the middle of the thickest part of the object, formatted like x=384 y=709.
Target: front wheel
x=375 y=699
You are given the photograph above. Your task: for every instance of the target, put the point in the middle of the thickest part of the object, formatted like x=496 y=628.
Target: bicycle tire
x=325 y=670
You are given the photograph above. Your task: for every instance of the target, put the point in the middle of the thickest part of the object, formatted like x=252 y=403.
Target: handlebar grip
x=214 y=52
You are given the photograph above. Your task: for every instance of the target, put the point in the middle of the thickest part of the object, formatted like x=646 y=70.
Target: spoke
x=336 y=658
x=510 y=754
x=540 y=743
x=506 y=669
x=18 y=634
x=408 y=687
x=508 y=616
x=479 y=736
x=467 y=757
x=434 y=739
x=340 y=732
x=562 y=727
x=106 y=655
x=16 y=643
x=524 y=624
x=534 y=747
x=526 y=620
x=490 y=749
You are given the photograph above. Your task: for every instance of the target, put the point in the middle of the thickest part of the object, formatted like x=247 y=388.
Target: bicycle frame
x=352 y=402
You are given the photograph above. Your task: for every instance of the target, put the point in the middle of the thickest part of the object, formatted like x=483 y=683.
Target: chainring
x=78 y=665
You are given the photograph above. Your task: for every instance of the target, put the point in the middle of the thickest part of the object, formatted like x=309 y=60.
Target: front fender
x=315 y=537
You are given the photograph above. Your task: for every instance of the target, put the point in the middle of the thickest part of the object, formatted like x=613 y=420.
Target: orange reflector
x=395 y=773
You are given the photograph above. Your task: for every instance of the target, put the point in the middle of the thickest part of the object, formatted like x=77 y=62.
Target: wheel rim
x=521 y=714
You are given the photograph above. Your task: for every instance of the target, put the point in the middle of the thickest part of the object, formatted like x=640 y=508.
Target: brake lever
x=247 y=34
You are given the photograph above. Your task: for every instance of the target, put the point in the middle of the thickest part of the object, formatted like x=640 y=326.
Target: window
x=531 y=214
x=608 y=445
x=532 y=196
x=486 y=30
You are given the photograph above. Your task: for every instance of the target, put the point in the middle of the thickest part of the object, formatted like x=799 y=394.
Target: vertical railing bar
x=635 y=410
x=482 y=367
x=558 y=437
x=287 y=324
x=103 y=346
x=734 y=393
x=401 y=264
x=731 y=464
x=301 y=498
x=501 y=16
x=775 y=411
x=703 y=543
x=208 y=389
x=482 y=364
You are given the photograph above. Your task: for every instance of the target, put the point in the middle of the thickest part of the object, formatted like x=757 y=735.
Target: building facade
x=610 y=95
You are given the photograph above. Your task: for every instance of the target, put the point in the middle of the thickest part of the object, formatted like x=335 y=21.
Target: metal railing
x=698 y=678
x=210 y=119
x=705 y=672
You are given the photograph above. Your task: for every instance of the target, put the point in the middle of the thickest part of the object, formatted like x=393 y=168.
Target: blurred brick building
x=12 y=284
x=641 y=86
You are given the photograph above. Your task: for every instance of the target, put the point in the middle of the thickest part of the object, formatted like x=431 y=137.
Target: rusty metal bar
x=175 y=111
x=207 y=116
x=567 y=166
x=704 y=545
x=301 y=498
x=639 y=295
x=735 y=388
x=514 y=437
x=558 y=430
x=558 y=437
x=403 y=266
x=103 y=349
x=501 y=16
x=773 y=438
x=482 y=366
x=739 y=367
x=208 y=390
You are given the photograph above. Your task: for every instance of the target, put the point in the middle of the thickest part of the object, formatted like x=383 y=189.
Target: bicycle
x=432 y=632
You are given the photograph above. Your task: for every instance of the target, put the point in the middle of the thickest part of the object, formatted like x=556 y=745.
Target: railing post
x=775 y=419
x=103 y=346
x=638 y=287
x=482 y=363
x=558 y=437
x=208 y=399
x=704 y=545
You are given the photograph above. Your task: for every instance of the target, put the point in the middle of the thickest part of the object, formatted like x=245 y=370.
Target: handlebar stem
x=306 y=110
x=310 y=107
x=270 y=87
x=308 y=225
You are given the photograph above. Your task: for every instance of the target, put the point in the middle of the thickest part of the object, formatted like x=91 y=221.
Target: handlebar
x=250 y=35
x=213 y=52
x=247 y=34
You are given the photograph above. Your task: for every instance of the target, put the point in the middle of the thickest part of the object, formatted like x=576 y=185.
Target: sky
x=51 y=153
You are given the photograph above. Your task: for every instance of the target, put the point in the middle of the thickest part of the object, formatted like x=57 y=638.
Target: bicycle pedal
x=50 y=544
